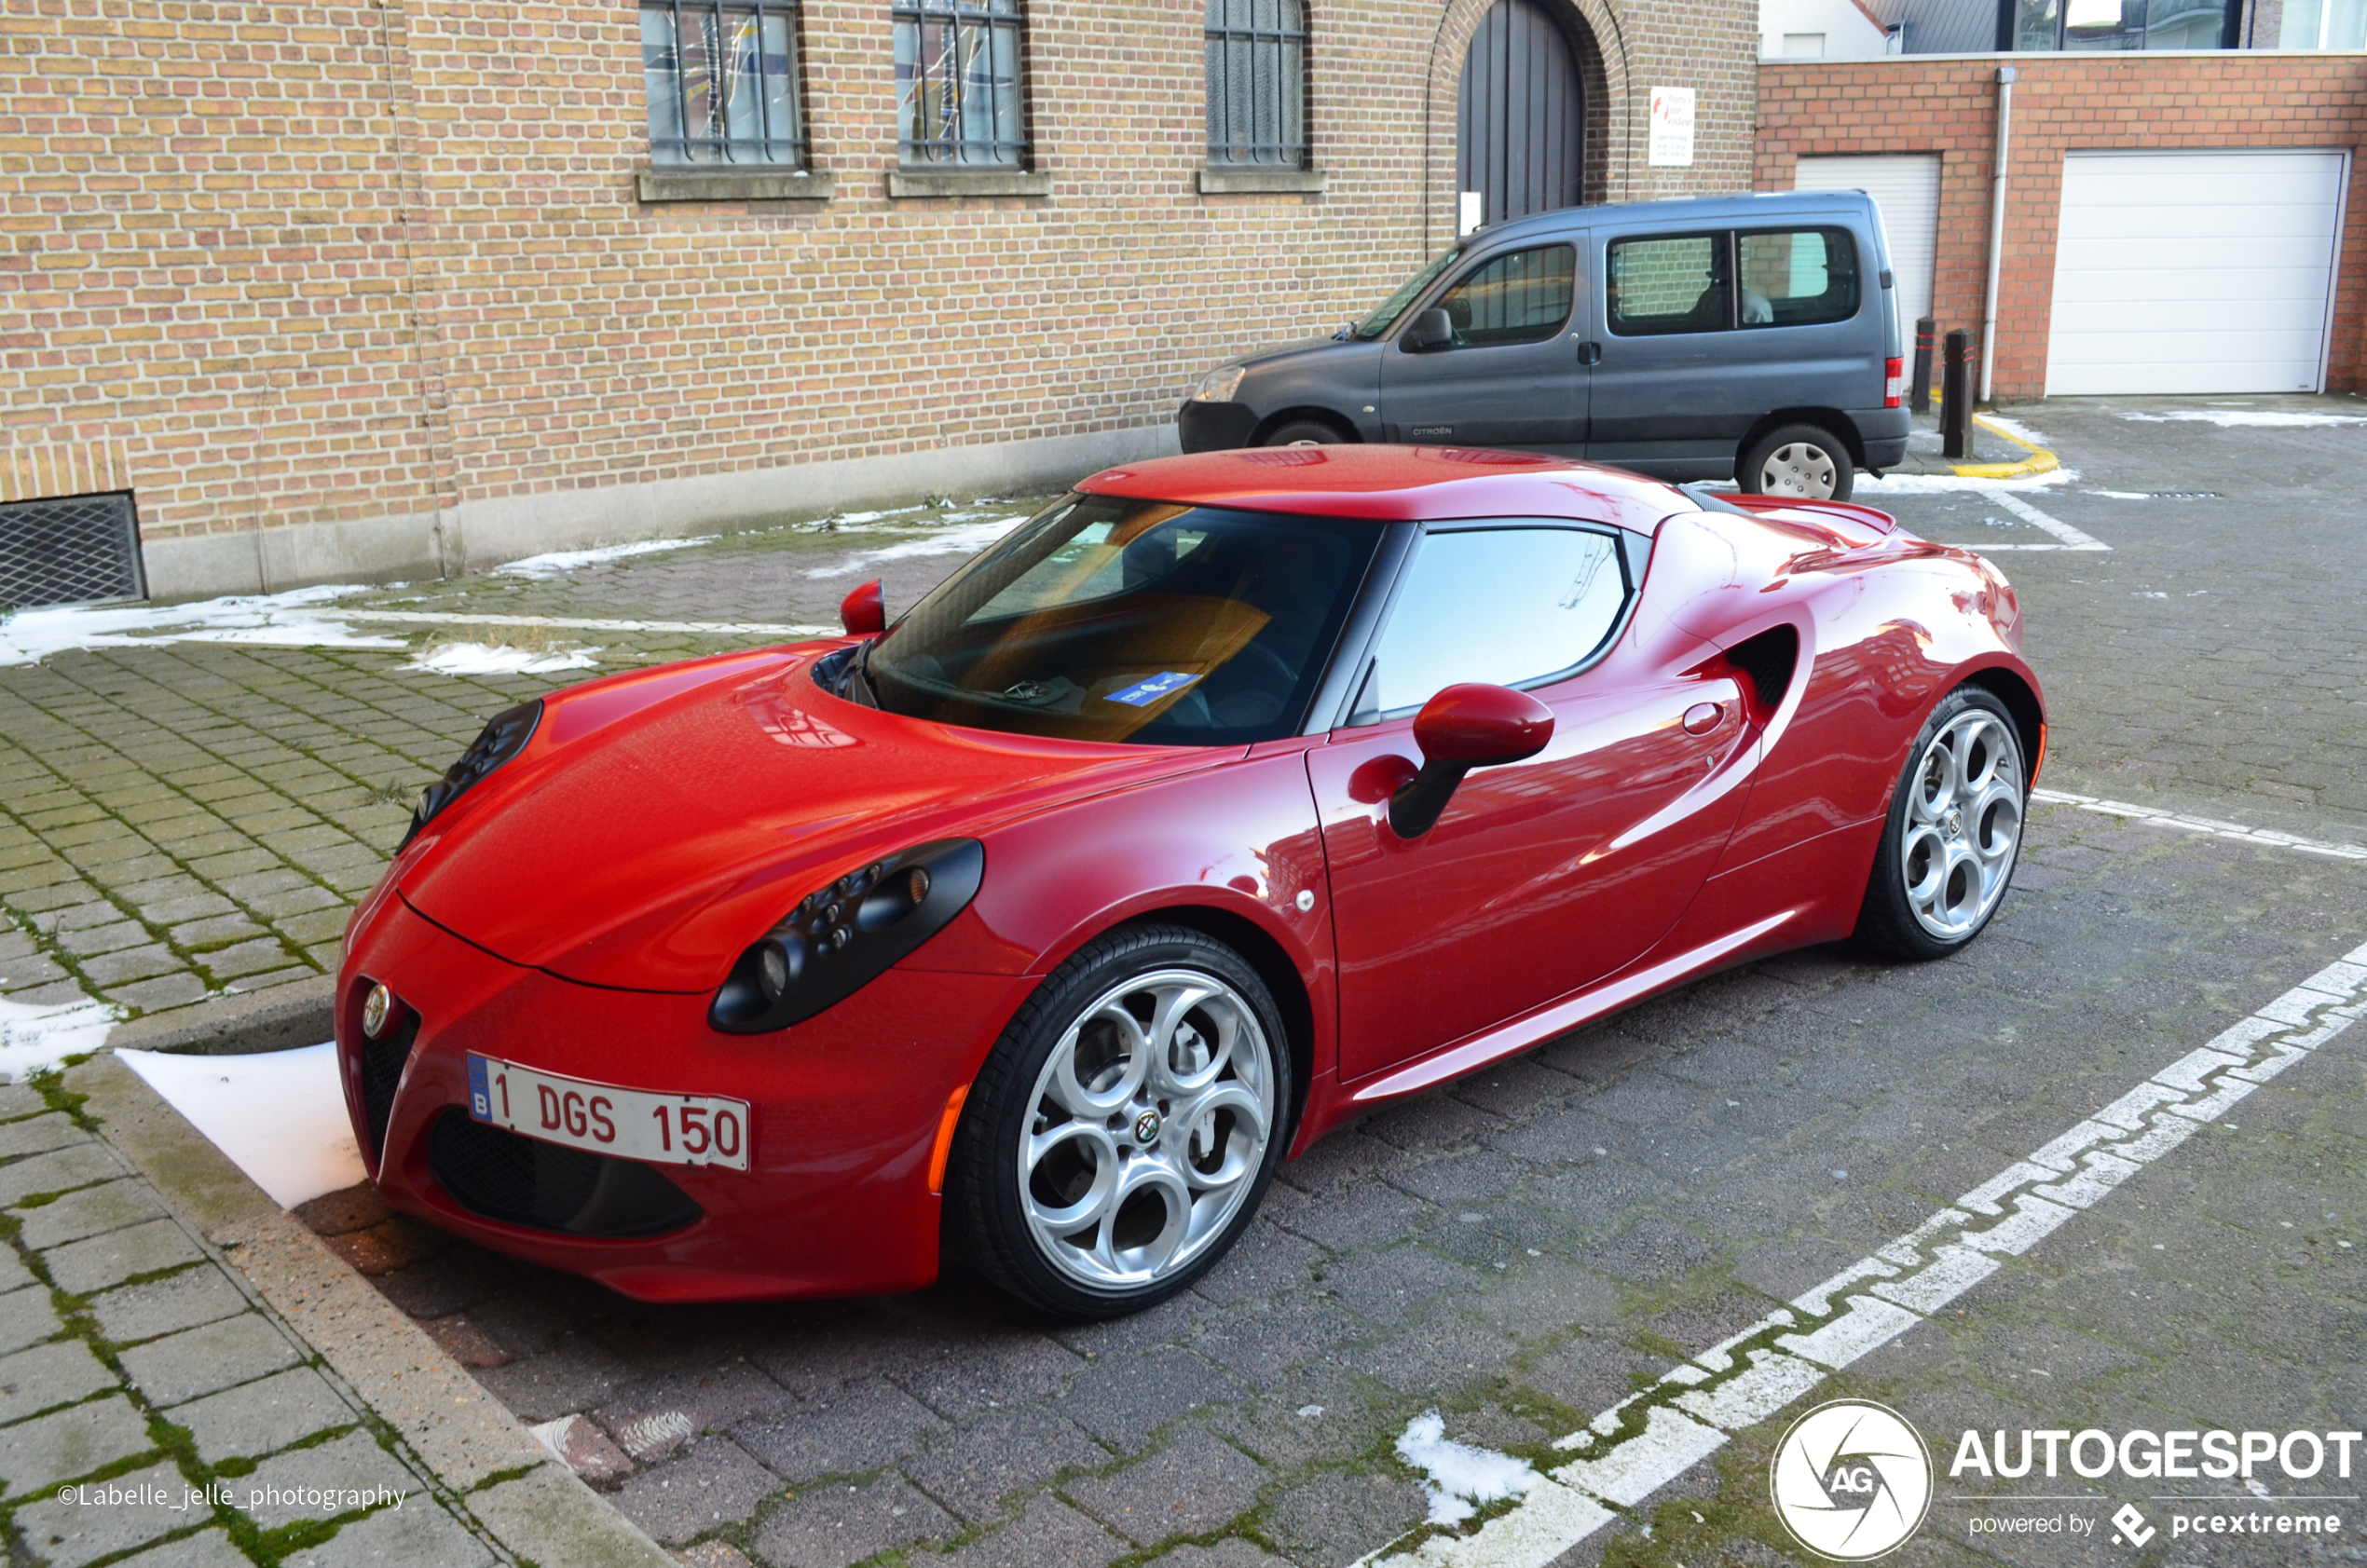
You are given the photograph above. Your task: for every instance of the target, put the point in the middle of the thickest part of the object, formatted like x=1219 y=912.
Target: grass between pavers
x=266 y=1548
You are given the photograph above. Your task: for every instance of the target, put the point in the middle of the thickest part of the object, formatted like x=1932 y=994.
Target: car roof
x=1399 y=484
x=1742 y=207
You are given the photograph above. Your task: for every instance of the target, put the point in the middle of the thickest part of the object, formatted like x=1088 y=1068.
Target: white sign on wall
x=1671 y=140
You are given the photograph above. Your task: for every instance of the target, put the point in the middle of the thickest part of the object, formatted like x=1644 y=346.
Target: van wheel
x=1304 y=432
x=1805 y=461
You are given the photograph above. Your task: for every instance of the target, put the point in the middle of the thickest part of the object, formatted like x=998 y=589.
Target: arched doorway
x=1520 y=132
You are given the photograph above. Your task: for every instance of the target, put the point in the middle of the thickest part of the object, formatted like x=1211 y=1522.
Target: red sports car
x=1232 y=797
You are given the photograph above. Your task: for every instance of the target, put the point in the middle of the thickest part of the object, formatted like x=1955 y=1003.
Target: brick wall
x=278 y=264
x=1948 y=105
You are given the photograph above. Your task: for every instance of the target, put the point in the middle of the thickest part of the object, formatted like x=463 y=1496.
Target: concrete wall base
x=478 y=534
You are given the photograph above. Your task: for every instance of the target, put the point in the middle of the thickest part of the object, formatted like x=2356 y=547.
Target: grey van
x=1750 y=338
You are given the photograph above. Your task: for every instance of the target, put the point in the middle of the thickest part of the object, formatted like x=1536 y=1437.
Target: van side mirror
x=864 y=612
x=1462 y=727
x=1432 y=329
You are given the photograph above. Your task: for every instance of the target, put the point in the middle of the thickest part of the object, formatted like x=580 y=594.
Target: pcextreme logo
x=1851 y=1479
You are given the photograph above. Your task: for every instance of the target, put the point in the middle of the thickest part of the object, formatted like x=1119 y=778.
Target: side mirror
x=864 y=612
x=1462 y=727
x=1432 y=329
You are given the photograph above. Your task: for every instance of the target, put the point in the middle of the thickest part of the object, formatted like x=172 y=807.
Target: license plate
x=630 y=1124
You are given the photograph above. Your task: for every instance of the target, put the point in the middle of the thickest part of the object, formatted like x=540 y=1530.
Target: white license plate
x=630 y=1124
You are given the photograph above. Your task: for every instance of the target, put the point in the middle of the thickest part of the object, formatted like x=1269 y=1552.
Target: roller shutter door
x=2194 y=272
x=1905 y=186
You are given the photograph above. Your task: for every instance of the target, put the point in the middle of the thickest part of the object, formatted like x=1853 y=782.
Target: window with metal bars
x=959 y=83
x=722 y=82
x=1257 y=83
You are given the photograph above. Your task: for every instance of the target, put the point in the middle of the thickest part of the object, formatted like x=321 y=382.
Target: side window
x=1256 y=83
x=959 y=92
x=1505 y=606
x=1523 y=298
x=721 y=81
x=1668 y=283
x=1798 y=277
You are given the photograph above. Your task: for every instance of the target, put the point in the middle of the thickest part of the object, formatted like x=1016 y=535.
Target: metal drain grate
x=70 y=549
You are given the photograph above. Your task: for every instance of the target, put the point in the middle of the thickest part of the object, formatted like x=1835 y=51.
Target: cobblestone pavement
x=1522 y=1251
x=151 y=1411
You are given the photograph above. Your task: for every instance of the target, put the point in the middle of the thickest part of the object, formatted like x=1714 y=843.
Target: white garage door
x=2194 y=272
x=1905 y=186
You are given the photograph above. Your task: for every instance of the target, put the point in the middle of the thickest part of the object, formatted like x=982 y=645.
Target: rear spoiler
x=1882 y=520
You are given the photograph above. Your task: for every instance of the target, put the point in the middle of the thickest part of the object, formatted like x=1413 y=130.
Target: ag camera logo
x=1851 y=1479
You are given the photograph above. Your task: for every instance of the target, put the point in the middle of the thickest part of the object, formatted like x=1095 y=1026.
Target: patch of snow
x=558 y=563
x=2122 y=495
x=1460 y=1476
x=280 y=1115
x=2229 y=419
x=1872 y=489
x=480 y=659
x=966 y=540
x=33 y=1037
x=290 y=620
x=2014 y=428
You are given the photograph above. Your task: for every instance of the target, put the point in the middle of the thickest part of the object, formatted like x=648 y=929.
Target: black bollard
x=1920 y=384
x=1956 y=396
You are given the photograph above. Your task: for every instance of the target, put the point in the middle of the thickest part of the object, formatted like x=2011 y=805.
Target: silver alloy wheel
x=1964 y=819
x=1798 y=468
x=1147 y=1129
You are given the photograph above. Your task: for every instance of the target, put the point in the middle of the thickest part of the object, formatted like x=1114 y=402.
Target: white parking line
x=2155 y=817
x=702 y=628
x=1654 y=1436
x=2072 y=537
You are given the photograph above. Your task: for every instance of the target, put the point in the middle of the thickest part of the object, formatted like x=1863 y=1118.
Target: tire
x=1304 y=432
x=1100 y=1197
x=1951 y=840
x=1806 y=461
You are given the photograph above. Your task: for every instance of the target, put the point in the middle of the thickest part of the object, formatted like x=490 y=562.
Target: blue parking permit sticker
x=480 y=1099
x=1145 y=692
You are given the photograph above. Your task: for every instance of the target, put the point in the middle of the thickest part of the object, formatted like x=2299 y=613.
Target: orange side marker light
x=944 y=1150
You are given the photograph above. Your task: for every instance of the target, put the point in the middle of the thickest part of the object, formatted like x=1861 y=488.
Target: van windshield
x=1146 y=622
x=1407 y=293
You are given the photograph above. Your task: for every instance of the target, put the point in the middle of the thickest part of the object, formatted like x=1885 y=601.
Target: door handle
x=1590 y=354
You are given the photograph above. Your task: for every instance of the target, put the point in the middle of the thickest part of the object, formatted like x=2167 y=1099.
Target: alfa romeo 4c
x=1229 y=799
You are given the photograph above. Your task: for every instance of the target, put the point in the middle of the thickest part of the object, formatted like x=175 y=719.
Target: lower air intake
x=493 y=1172
x=382 y=1063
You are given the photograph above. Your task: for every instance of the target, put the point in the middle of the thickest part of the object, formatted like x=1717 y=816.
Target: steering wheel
x=1276 y=671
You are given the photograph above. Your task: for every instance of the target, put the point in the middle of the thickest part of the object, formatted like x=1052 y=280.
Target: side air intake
x=1769 y=659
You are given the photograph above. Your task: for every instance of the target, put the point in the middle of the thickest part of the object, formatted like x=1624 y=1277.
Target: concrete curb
x=2039 y=461
x=533 y=1506
x=281 y=1018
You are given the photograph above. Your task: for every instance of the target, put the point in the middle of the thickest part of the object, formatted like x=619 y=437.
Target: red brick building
x=2067 y=108
x=374 y=291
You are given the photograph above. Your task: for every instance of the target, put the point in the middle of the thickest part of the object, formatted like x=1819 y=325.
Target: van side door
x=1661 y=403
x=1509 y=375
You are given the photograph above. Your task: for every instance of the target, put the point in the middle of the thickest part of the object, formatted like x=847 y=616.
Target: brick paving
x=151 y=1406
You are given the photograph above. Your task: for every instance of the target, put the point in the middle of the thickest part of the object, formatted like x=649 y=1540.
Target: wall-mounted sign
x=1671 y=139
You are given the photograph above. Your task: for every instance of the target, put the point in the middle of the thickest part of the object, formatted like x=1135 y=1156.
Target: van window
x=1523 y=298
x=1668 y=284
x=1798 y=277
x=1506 y=606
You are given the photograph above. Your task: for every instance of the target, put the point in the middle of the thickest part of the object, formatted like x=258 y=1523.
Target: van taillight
x=1894 y=382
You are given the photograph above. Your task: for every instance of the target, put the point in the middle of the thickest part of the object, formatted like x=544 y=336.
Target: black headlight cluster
x=505 y=735
x=841 y=937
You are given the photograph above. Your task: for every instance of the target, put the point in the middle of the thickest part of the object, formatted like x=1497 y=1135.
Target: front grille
x=495 y=1172
x=382 y=1063
x=70 y=549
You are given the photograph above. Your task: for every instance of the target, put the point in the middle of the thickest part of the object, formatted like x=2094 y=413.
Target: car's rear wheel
x=1805 y=461
x=1123 y=1130
x=1304 y=432
x=1953 y=833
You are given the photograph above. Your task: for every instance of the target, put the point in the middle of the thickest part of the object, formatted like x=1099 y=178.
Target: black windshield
x=1144 y=621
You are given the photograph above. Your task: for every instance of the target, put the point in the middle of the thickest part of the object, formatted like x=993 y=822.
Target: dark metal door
x=1521 y=131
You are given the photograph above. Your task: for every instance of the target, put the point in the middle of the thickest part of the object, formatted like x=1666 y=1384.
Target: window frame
x=1014 y=155
x=1362 y=638
x=1735 y=269
x=1724 y=239
x=1294 y=155
x=1438 y=297
x=722 y=147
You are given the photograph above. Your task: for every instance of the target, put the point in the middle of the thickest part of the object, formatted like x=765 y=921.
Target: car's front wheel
x=1954 y=833
x=1802 y=461
x=1123 y=1130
